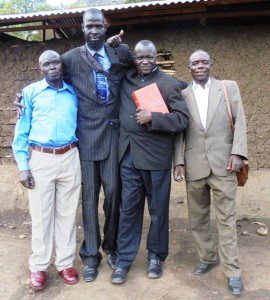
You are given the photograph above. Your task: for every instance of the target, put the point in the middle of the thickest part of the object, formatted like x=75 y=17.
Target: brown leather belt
x=61 y=150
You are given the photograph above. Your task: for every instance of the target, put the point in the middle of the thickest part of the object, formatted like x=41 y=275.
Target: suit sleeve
x=66 y=76
x=178 y=151
x=126 y=56
x=240 y=133
x=178 y=117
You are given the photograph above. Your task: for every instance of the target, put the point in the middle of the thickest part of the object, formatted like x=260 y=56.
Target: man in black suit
x=145 y=153
x=97 y=131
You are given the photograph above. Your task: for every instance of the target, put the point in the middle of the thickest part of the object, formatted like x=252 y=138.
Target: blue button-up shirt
x=49 y=119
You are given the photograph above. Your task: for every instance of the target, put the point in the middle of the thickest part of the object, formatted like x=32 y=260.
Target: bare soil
x=178 y=280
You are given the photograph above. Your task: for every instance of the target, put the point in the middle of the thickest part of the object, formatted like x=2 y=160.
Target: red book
x=150 y=98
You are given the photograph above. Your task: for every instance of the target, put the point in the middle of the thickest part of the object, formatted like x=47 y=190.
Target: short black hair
x=145 y=43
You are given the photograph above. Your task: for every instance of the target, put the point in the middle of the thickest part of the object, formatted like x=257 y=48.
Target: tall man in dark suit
x=97 y=131
x=212 y=154
x=145 y=154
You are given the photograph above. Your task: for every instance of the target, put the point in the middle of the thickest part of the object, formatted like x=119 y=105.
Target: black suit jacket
x=151 y=146
x=96 y=122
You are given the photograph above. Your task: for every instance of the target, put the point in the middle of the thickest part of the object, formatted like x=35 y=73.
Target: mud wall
x=239 y=53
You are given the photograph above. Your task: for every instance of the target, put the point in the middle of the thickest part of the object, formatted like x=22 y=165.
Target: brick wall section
x=239 y=53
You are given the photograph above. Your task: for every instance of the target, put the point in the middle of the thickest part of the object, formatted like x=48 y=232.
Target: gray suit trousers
x=199 y=201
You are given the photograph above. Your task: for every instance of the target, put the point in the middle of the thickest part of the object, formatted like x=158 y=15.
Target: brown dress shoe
x=38 y=280
x=70 y=275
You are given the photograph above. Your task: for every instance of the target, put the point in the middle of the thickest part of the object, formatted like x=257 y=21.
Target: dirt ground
x=178 y=280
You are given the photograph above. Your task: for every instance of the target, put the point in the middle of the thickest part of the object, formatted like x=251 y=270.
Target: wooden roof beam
x=39 y=27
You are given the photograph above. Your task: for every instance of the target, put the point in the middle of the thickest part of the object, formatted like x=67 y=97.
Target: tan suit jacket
x=205 y=150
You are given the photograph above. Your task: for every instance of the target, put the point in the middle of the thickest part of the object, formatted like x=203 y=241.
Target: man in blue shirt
x=48 y=126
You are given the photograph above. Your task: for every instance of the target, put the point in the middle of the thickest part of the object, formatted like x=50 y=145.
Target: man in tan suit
x=210 y=154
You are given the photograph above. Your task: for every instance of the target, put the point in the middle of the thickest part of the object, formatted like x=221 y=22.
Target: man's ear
x=82 y=27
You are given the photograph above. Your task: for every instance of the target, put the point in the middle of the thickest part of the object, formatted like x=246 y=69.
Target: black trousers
x=136 y=185
x=95 y=174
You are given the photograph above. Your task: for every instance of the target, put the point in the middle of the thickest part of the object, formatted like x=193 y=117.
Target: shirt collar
x=195 y=85
x=150 y=72
x=68 y=87
x=101 y=51
x=44 y=85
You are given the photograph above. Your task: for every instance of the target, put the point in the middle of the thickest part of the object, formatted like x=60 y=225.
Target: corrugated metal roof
x=67 y=23
x=106 y=8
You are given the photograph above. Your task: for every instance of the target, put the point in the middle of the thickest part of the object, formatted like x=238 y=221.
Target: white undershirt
x=202 y=96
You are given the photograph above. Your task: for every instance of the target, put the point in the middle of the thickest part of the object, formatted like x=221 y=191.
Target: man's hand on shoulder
x=27 y=179
x=18 y=105
x=116 y=40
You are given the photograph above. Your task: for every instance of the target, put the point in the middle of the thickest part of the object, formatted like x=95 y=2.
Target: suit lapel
x=86 y=64
x=192 y=106
x=215 y=95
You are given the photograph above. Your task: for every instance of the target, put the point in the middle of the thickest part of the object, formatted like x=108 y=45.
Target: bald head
x=48 y=54
x=50 y=64
x=93 y=12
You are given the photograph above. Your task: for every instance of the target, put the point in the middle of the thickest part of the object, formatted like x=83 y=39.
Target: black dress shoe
x=154 y=269
x=203 y=267
x=111 y=259
x=235 y=285
x=119 y=275
x=89 y=273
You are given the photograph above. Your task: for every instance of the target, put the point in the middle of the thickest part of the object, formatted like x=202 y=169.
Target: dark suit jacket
x=205 y=150
x=151 y=146
x=96 y=122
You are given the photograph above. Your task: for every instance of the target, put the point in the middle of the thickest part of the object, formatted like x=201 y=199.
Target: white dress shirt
x=202 y=96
